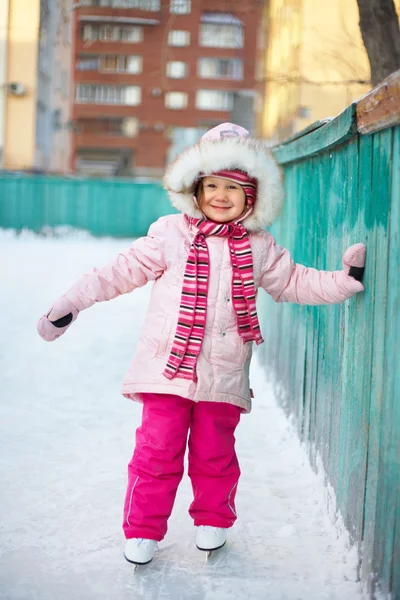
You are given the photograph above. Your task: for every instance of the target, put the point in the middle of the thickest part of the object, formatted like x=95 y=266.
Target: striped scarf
x=193 y=307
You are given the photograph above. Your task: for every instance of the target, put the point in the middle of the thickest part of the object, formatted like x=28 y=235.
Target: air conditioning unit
x=15 y=88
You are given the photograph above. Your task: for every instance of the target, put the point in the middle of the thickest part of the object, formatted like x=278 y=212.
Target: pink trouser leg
x=213 y=465
x=156 y=467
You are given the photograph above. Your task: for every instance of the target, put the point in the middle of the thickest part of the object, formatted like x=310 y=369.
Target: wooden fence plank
x=393 y=369
x=389 y=484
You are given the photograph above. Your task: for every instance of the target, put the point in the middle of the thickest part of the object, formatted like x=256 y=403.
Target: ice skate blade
x=209 y=552
x=137 y=564
x=211 y=549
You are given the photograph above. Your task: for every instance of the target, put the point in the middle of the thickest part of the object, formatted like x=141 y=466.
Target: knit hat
x=228 y=147
x=249 y=184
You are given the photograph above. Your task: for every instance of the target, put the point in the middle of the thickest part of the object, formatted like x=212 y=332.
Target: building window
x=130 y=34
x=140 y=4
x=87 y=33
x=111 y=64
x=133 y=64
x=112 y=33
x=220 y=68
x=130 y=127
x=214 y=100
x=114 y=126
x=177 y=69
x=107 y=33
x=178 y=38
x=221 y=30
x=180 y=7
x=87 y=63
x=132 y=95
x=121 y=64
x=176 y=100
x=129 y=95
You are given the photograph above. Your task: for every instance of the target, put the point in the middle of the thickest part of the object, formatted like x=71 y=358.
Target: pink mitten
x=353 y=265
x=57 y=320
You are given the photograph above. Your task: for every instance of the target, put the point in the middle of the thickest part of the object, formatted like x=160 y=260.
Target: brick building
x=151 y=75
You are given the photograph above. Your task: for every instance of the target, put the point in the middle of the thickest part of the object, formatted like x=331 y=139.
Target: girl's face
x=221 y=200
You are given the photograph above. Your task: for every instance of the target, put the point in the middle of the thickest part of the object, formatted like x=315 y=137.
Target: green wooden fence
x=103 y=207
x=337 y=368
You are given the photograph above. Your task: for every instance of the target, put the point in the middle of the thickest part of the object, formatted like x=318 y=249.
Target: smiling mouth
x=221 y=207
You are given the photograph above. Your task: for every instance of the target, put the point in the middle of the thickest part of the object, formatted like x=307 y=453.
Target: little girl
x=191 y=367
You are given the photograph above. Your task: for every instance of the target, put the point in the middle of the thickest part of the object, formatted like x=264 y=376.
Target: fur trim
x=207 y=156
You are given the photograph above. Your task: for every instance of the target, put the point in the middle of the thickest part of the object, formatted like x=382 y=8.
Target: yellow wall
x=283 y=63
x=22 y=60
x=332 y=51
x=3 y=70
x=315 y=55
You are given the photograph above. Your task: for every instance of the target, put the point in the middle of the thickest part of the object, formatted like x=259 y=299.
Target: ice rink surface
x=66 y=436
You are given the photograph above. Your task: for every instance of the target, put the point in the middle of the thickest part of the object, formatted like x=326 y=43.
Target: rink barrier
x=107 y=207
x=337 y=368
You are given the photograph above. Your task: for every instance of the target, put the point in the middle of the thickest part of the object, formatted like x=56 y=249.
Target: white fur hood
x=227 y=146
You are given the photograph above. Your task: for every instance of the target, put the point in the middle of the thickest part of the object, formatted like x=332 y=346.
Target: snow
x=66 y=436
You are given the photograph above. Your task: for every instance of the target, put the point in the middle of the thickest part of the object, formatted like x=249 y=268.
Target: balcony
x=110 y=64
x=110 y=19
x=143 y=5
x=105 y=162
x=108 y=95
x=132 y=12
x=116 y=133
x=96 y=111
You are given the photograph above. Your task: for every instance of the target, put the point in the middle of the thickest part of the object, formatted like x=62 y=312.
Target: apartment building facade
x=151 y=75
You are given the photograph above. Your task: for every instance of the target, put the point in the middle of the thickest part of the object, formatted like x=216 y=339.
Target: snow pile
x=66 y=436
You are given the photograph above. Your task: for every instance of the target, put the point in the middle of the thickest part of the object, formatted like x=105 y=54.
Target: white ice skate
x=210 y=538
x=139 y=551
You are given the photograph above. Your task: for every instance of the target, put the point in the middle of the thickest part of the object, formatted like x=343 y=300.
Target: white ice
x=66 y=436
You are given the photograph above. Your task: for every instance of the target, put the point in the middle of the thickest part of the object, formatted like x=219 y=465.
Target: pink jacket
x=223 y=364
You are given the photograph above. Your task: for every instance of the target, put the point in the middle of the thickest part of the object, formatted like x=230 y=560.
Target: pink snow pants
x=156 y=468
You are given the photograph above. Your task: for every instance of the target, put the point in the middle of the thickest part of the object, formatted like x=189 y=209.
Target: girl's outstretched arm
x=287 y=281
x=142 y=262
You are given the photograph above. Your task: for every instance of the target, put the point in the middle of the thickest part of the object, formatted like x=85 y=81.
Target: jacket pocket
x=165 y=340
